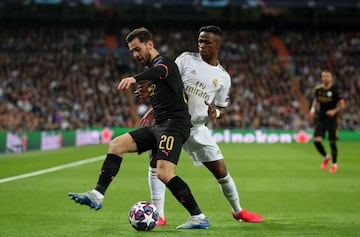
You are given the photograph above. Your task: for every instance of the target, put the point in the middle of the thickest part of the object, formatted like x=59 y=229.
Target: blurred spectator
x=61 y=78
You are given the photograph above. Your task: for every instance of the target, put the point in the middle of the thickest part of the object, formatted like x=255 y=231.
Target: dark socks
x=334 y=152
x=183 y=194
x=320 y=148
x=108 y=171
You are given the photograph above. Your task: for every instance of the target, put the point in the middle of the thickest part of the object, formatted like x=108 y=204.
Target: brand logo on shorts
x=165 y=152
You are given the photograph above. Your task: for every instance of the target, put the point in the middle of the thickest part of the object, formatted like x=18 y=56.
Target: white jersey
x=203 y=82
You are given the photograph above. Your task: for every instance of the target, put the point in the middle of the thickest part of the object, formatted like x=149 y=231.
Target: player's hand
x=126 y=82
x=142 y=92
x=211 y=111
x=331 y=112
x=148 y=119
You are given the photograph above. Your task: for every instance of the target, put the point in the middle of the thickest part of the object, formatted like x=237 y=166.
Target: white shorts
x=201 y=146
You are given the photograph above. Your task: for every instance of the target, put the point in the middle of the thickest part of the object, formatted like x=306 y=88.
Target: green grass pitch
x=283 y=182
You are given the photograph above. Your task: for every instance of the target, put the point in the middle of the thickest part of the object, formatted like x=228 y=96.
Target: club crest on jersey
x=215 y=82
x=151 y=89
x=329 y=93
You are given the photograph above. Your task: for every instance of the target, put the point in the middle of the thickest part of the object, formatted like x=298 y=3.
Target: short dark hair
x=212 y=29
x=142 y=33
x=326 y=70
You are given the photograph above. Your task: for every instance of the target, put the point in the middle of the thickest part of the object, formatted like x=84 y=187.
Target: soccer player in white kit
x=207 y=85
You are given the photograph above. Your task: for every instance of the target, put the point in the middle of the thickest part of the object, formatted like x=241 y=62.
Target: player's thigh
x=169 y=144
x=144 y=139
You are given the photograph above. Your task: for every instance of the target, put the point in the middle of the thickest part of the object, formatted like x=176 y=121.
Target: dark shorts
x=164 y=140
x=329 y=126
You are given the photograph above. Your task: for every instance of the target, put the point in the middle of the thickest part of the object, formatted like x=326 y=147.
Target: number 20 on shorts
x=166 y=142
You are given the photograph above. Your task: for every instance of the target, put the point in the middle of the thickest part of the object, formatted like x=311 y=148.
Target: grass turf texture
x=283 y=182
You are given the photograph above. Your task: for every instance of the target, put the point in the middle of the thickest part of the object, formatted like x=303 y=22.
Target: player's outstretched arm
x=312 y=111
x=147 y=119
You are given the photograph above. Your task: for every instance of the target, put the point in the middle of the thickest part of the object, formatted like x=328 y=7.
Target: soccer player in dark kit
x=165 y=137
x=207 y=85
x=330 y=102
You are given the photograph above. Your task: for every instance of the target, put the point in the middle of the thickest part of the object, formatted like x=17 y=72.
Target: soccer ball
x=143 y=216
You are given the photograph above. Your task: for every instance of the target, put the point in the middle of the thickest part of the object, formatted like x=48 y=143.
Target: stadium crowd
x=63 y=78
x=337 y=51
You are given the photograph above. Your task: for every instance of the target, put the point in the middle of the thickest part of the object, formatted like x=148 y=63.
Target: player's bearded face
x=326 y=78
x=140 y=51
x=146 y=57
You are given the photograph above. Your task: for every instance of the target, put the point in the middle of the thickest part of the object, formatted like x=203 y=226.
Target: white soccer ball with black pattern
x=143 y=216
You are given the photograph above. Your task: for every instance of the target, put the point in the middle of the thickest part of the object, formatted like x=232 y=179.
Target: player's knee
x=333 y=144
x=114 y=148
x=220 y=173
x=224 y=180
x=121 y=144
x=317 y=139
x=217 y=168
x=164 y=175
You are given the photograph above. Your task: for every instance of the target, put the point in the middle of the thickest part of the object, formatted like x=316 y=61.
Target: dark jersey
x=166 y=91
x=327 y=99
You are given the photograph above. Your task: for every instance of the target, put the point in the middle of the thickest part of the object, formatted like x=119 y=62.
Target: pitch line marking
x=53 y=169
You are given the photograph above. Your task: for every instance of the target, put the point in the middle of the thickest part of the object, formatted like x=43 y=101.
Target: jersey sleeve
x=180 y=62
x=156 y=72
x=222 y=97
x=159 y=70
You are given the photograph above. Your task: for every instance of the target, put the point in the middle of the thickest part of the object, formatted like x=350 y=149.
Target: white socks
x=157 y=191
x=228 y=188
x=97 y=194
x=200 y=216
x=158 y=188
